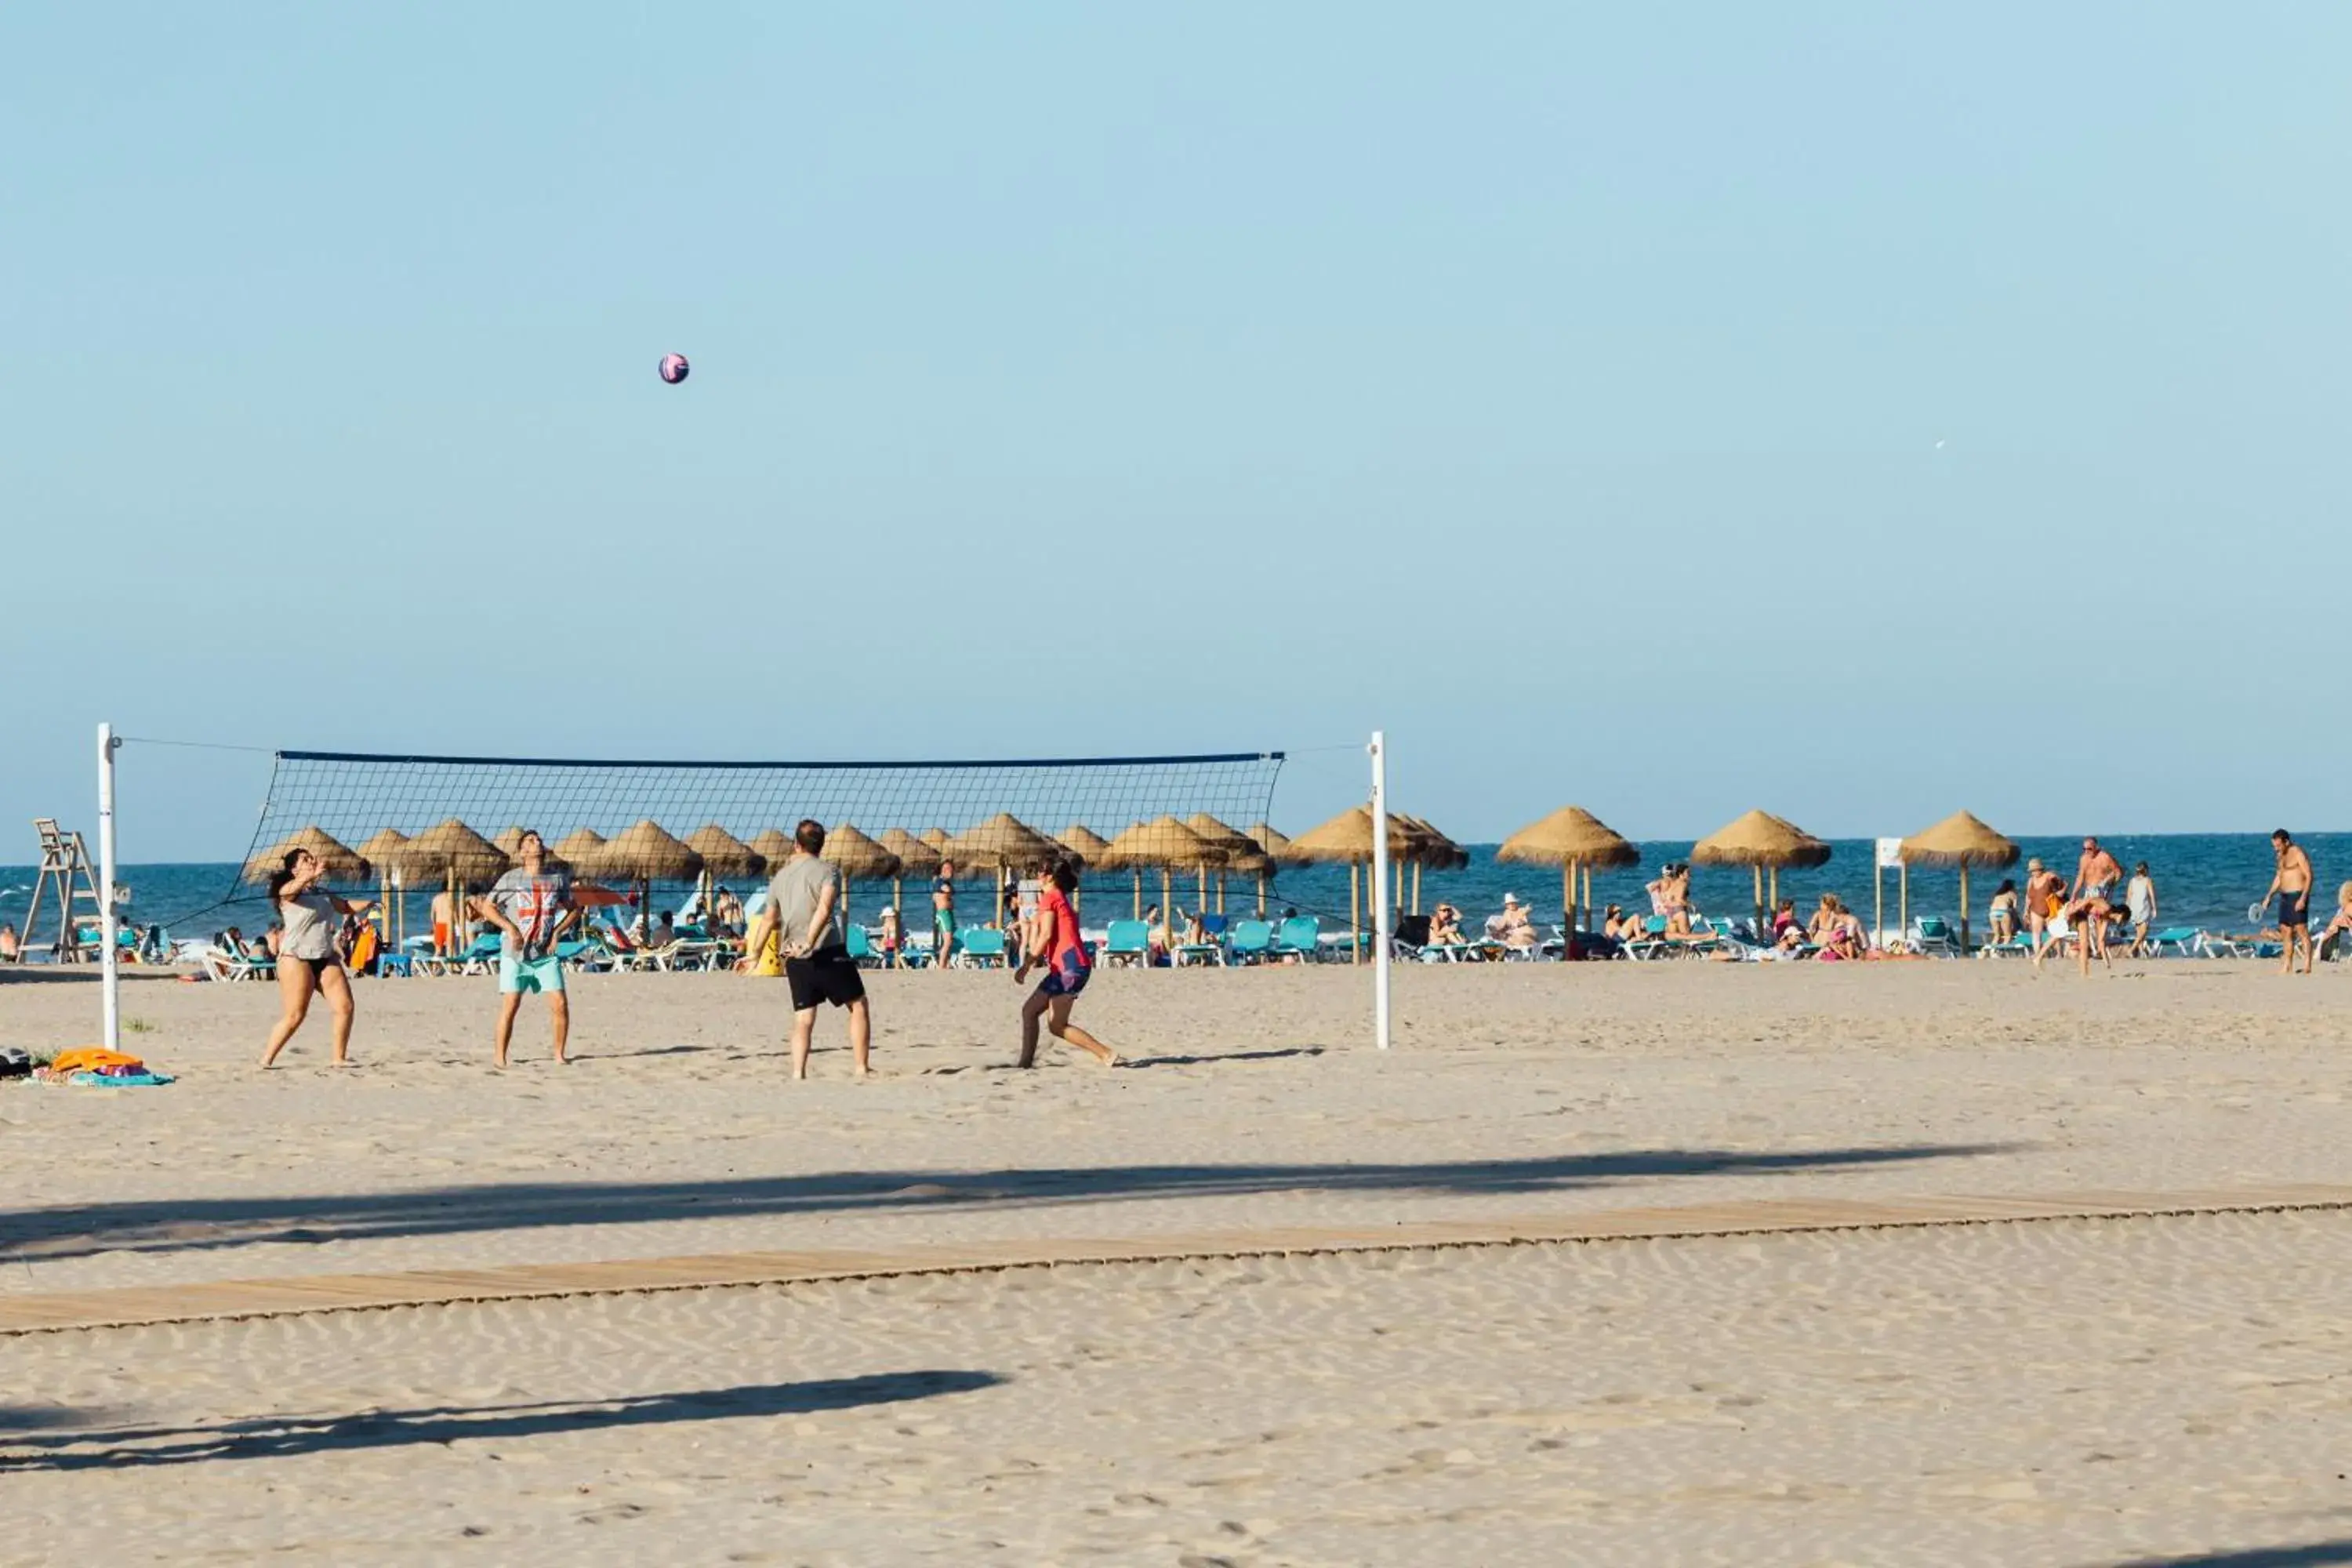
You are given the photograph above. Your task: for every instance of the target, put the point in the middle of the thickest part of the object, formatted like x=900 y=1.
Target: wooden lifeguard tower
x=67 y=880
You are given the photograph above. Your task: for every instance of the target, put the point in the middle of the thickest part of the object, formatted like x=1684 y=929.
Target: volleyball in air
x=672 y=368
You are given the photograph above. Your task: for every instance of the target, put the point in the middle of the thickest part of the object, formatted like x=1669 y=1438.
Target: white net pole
x=1380 y=890
x=109 y=957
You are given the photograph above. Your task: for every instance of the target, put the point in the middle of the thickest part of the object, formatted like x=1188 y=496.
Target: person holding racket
x=2291 y=889
x=1052 y=942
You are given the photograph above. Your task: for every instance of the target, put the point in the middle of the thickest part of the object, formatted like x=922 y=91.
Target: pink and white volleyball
x=672 y=368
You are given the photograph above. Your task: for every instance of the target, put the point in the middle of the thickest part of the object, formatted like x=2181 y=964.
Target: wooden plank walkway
x=226 y=1299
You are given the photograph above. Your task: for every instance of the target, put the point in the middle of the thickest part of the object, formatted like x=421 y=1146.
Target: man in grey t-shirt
x=531 y=906
x=804 y=907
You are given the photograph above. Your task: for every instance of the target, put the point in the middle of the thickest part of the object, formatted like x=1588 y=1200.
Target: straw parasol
x=645 y=855
x=452 y=852
x=1165 y=843
x=452 y=855
x=1242 y=855
x=1273 y=841
x=382 y=852
x=861 y=859
x=1347 y=839
x=937 y=838
x=1763 y=843
x=772 y=844
x=342 y=864
x=1576 y=841
x=1961 y=840
x=916 y=858
x=1003 y=843
x=510 y=841
x=580 y=850
x=1083 y=842
x=723 y=853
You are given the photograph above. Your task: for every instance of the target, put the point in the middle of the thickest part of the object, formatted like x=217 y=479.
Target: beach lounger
x=1128 y=943
x=862 y=951
x=1933 y=935
x=235 y=966
x=1299 y=937
x=2180 y=941
x=1253 y=942
x=980 y=947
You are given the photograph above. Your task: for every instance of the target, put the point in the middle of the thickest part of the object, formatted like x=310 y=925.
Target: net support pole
x=109 y=957
x=1380 y=890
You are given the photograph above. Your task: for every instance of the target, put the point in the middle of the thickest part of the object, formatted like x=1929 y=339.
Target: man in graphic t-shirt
x=531 y=906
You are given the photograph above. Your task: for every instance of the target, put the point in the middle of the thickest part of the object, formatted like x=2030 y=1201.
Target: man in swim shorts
x=2290 y=892
x=531 y=906
x=2096 y=874
x=943 y=926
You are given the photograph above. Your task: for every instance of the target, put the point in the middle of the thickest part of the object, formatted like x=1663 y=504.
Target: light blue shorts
x=517 y=974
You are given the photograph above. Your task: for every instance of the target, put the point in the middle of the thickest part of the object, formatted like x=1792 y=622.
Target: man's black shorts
x=828 y=974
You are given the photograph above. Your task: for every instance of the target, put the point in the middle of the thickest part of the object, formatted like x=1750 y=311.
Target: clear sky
x=1856 y=411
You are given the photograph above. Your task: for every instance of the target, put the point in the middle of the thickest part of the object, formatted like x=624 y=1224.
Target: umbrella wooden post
x=1168 y=906
x=1585 y=870
x=1903 y=899
x=1416 y=887
x=1138 y=892
x=1964 y=908
x=1261 y=898
x=1776 y=887
x=1355 y=898
x=1221 y=893
x=1878 y=903
x=1759 y=899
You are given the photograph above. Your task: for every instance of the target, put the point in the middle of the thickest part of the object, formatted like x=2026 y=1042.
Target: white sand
x=1923 y=1397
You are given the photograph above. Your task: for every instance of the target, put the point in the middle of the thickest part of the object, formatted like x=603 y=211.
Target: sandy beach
x=2065 y=1391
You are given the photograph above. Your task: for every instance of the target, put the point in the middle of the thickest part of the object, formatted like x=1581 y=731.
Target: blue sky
x=1558 y=386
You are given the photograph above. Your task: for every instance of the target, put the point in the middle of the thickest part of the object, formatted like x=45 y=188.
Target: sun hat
x=1510 y=898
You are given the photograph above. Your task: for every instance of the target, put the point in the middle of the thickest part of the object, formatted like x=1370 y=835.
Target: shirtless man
x=445 y=921
x=2290 y=889
x=2041 y=885
x=2096 y=874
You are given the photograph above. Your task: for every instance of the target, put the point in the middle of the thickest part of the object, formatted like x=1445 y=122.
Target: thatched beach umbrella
x=1426 y=844
x=1576 y=841
x=510 y=840
x=1958 y=840
x=1165 y=843
x=861 y=859
x=1241 y=852
x=1003 y=843
x=1347 y=839
x=578 y=848
x=342 y=864
x=724 y=855
x=452 y=855
x=383 y=851
x=916 y=858
x=645 y=855
x=1083 y=842
x=1273 y=849
x=1764 y=843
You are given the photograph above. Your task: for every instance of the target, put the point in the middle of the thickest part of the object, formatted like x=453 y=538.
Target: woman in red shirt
x=1052 y=942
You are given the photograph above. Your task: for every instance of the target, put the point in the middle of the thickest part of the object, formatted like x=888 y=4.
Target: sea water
x=2202 y=879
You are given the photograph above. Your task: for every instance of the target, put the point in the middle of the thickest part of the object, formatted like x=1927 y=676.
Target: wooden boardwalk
x=235 y=1299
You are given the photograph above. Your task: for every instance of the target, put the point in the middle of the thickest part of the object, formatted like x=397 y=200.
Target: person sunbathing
x=1788 y=930
x=1514 y=930
x=1445 y=926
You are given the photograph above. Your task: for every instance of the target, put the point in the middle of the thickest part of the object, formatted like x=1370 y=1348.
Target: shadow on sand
x=276 y=1436
x=166 y=1225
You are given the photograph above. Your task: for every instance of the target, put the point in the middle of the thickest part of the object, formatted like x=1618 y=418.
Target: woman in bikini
x=1054 y=944
x=307 y=959
x=2003 y=912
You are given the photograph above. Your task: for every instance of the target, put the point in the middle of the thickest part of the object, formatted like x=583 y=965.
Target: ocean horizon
x=2203 y=879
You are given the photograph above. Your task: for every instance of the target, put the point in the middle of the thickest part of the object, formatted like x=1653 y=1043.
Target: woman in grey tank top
x=308 y=960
